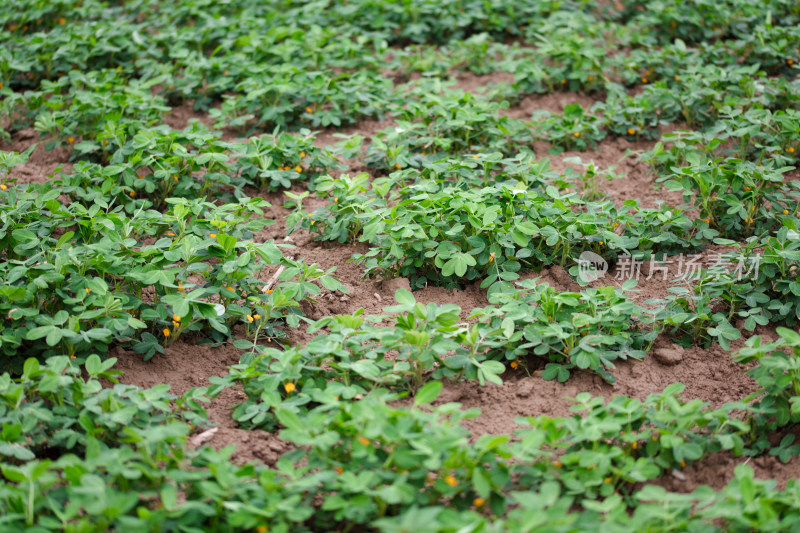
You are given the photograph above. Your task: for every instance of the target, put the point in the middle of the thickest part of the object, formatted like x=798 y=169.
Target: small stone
x=669 y=356
x=525 y=388
x=677 y=474
x=378 y=297
x=391 y=285
x=288 y=239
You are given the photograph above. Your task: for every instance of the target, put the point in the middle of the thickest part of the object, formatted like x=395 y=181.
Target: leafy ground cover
x=390 y=266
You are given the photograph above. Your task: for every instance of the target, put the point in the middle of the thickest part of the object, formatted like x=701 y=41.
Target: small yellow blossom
x=289 y=388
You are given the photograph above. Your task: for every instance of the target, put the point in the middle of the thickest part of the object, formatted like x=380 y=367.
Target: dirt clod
x=669 y=355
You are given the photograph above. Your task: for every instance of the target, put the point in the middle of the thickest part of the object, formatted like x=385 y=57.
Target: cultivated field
x=456 y=265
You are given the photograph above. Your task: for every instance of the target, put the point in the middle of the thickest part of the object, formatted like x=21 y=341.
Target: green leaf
x=428 y=393
x=404 y=296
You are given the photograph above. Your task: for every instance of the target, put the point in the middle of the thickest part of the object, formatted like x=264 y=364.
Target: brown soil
x=42 y=164
x=552 y=103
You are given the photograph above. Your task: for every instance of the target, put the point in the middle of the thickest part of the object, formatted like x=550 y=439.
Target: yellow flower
x=249 y=318
x=88 y=290
x=785 y=211
x=266 y=290
x=62 y=20
x=635 y=445
x=631 y=131
x=1 y=86
x=132 y=194
x=397 y=166
x=3 y=186
x=262 y=529
x=312 y=222
x=478 y=502
x=170 y=234
x=176 y=318
x=289 y=388
x=607 y=480
x=558 y=464
x=166 y=332
x=644 y=80
x=676 y=78
x=363 y=441
x=339 y=469
x=175 y=177
x=257 y=317
x=514 y=364
x=450 y=480
x=790 y=149
x=70 y=140
x=212 y=235
x=298 y=168
x=475 y=157
x=683 y=464
x=747 y=188
x=302 y=154
x=309 y=110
